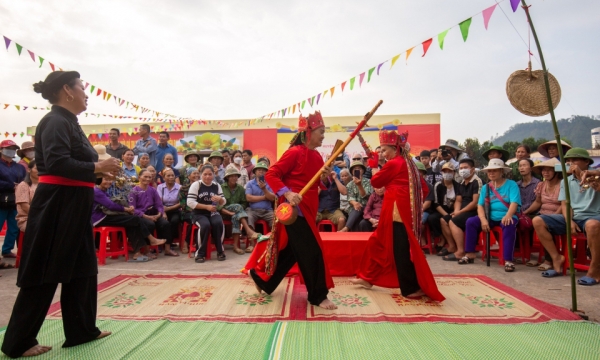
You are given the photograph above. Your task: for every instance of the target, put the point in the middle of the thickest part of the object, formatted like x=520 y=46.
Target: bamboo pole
x=562 y=161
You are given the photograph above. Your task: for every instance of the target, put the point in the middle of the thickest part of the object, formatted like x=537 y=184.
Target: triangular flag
x=426 y=45
x=25 y=108
x=32 y=55
x=283 y=111
x=331 y=91
x=7 y=42
x=325 y=93
x=104 y=95
x=92 y=89
x=86 y=85
x=51 y=66
x=514 y=4
x=394 y=60
x=6 y=105
x=441 y=37
x=19 y=48
x=41 y=60
x=294 y=109
x=360 y=80
x=18 y=107
x=370 y=73
x=487 y=14
x=352 y=82
x=408 y=53
x=312 y=101
x=343 y=84
x=379 y=66
x=318 y=98
x=98 y=92
x=108 y=97
x=303 y=102
x=464 y=28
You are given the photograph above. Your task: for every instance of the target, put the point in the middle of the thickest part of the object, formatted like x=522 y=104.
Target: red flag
x=343 y=84
x=98 y=92
x=426 y=45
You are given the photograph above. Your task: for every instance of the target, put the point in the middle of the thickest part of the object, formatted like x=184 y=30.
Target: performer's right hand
x=108 y=165
x=293 y=198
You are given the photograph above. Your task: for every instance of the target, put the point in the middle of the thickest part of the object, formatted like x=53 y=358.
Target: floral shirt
x=354 y=193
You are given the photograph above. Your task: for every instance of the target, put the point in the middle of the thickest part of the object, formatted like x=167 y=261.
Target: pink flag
x=487 y=14
x=32 y=55
x=426 y=45
x=362 y=76
x=514 y=4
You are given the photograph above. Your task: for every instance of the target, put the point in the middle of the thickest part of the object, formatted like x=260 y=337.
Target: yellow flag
x=394 y=60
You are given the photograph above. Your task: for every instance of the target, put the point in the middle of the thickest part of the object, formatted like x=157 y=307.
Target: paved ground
x=528 y=280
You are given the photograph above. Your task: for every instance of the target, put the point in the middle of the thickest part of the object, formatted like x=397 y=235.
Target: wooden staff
x=287 y=213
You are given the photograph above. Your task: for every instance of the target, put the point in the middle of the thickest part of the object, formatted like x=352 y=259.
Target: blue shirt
x=161 y=151
x=329 y=199
x=11 y=173
x=252 y=188
x=509 y=192
x=585 y=204
x=140 y=147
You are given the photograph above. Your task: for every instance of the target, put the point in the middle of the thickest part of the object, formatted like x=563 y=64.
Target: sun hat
x=548 y=163
x=505 y=155
x=8 y=143
x=543 y=148
x=357 y=163
x=215 y=154
x=231 y=170
x=190 y=153
x=26 y=145
x=101 y=150
x=451 y=143
x=579 y=153
x=260 y=165
x=420 y=166
x=496 y=164
x=447 y=166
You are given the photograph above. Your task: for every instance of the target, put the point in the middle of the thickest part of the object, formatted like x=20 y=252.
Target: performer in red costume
x=299 y=242
x=393 y=257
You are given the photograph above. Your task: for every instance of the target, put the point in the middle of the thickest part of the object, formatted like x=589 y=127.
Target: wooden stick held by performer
x=393 y=257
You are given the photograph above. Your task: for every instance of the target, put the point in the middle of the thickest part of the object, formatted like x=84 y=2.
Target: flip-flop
x=139 y=259
x=450 y=257
x=544 y=267
x=587 y=281
x=171 y=254
x=532 y=263
x=5 y=266
x=551 y=273
x=443 y=252
x=9 y=255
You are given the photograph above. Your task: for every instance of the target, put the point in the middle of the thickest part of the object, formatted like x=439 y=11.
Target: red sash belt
x=59 y=180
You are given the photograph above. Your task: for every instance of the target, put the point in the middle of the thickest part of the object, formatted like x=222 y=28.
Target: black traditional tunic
x=59 y=244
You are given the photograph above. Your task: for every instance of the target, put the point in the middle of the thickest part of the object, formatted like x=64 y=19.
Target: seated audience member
x=372 y=211
x=236 y=155
x=191 y=159
x=550 y=149
x=169 y=194
x=359 y=158
x=226 y=157
x=496 y=152
x=450 y=152
x=359 y=191
x=522 y=152
x=203 y=197
x=265 y=160
x=247 y=162
x=431 y=177
x=546 y=201
x=193 y=175
x=427 y=202
x=586 y=218
x=342 y=184
x=445 y=194
x=138 y=234
x=129 y=168
x=216 y=159
x=148 y=206
x=329 y=202
x=504 y=200
x=527 y=186
x=260 y=198
x=235 y=197
x=143 y=160
x=167 y=164
x=24 y=194
x=465 y=207
x=152 y=171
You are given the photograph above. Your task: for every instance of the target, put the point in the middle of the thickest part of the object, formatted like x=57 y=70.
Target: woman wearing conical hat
x=393 y=257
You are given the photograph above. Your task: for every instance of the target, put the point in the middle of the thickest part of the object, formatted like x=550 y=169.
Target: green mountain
x=575 y=130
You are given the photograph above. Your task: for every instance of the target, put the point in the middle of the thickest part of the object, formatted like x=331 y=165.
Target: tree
x=475 y=150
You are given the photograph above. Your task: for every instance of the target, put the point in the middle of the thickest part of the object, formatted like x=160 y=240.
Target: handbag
x=117 y=200
x=7 y=200
x=524 y=220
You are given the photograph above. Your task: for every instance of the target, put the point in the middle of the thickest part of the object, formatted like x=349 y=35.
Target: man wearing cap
x=114 y=148
x=431 y=177
x=450 y=152
x=586 y=218
x=26 y=153
x=163 y=149
x=147 y=145
x=216 y=159
x=11 y=174
x=359 y=190
x=260 y=197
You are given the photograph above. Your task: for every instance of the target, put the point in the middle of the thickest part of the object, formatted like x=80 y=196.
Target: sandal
x=509 y=267
x=587 y=281
x=5 y=266
x=544 y=267
x=551 y=273
x=532 y=263
x=443 y=252
x=238 y=251
x=200 y=260
x=450 y=257
x=141 y=258
x=465 y=260
x=249 y=249
x=221 y=256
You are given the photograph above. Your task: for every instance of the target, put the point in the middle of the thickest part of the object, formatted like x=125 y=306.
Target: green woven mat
x=333 y=340
x=160 y=340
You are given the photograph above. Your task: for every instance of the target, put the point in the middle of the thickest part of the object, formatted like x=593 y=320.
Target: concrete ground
x=556 y=291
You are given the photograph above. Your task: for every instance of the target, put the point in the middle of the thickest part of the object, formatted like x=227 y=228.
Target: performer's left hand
x=326 y=170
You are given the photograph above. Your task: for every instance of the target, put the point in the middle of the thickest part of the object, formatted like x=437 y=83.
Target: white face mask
x=447 y=176
x=30 y=154
x=237 y=160
x=9 y=153
x=464 y=173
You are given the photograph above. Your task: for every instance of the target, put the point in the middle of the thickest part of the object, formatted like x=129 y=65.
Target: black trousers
x=407 y=276
x=162 y=227
x=434 y=221
x=78 y=300
x=174 y=218
x=302 y=248
x=365 y=226
x=212 y=225
x=136 y=229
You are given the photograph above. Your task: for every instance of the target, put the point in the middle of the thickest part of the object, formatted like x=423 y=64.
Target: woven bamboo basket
x=527 y=93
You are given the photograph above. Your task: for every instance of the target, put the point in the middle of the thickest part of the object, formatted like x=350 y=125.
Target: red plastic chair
x=19 y=249
x=430 y=245
x=110 y=234
x=265 y=229
x=496 y=237
x=324 y=223
x=580 y=260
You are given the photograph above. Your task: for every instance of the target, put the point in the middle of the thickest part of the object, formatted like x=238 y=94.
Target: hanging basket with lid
x=526 y=92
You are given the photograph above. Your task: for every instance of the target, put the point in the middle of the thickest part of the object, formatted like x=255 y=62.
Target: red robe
x=293 y=170
x=378 y=266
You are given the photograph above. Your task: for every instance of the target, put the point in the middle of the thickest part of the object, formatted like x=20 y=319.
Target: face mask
x=464 y=173
x=447 y=176
x=237 y=160
x=9 y=153
x=30 y=154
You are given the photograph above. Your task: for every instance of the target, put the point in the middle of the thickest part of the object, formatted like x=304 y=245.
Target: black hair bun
x=39 y=87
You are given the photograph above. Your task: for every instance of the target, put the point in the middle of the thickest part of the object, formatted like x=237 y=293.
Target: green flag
x=303 y=101
x=370 y=72
x=92 y=89
x=19 y=48
x=464 y=28
x=352 y=82
x=41 y=60
x=441 y=37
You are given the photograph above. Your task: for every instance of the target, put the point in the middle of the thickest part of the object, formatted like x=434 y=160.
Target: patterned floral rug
x=233 y=298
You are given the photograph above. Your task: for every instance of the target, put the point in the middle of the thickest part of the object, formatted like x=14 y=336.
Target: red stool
x=580 y=260
x=324 y=223
x=265 y=229
x=19 y=249
x=496 y=237
x=430 y=241
x=111 y=234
